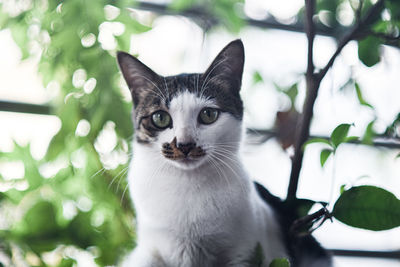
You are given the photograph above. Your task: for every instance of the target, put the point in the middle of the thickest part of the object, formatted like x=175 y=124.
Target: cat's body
x=195 y=204
x=198 y=218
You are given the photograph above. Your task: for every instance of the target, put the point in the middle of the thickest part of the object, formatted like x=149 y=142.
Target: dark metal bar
x=269 y=23
x=24 y=107
x=369 y=254
x=206 y=19
x=380 y=140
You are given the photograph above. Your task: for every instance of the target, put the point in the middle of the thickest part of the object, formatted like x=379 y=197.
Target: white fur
x=203 y=214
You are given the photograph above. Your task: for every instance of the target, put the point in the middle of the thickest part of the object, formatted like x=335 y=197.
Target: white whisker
x=102 y=170
x=208 y=74
x=120 y=174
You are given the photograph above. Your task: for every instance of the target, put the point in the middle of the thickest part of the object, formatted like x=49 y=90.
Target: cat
x=195 y=203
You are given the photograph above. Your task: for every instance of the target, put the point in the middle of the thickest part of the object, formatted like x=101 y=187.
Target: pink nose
x=186 y=148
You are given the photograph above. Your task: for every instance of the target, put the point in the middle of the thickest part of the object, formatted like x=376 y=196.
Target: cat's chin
x=188 y=163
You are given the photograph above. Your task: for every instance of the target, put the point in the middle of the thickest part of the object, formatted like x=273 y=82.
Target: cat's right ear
x=228 y=65
x=137 y=75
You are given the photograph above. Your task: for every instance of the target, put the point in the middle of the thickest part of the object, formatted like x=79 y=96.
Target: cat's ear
x=137 y=75
x=228 y=65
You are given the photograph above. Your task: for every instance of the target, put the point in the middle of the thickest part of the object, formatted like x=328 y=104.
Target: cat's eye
x=161 y=119
x=208 y=115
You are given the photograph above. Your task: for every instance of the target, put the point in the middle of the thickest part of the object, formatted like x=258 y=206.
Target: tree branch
x=313 y=82
x=353 y=34
x=310 y=32
x=303 y=131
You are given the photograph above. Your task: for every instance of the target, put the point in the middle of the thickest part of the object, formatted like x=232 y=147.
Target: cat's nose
x=186 y=147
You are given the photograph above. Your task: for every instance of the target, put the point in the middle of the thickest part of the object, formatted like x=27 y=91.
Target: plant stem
x=312 y=90
x=313 y=81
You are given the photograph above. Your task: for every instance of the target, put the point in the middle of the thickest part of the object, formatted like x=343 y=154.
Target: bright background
x=176 y=44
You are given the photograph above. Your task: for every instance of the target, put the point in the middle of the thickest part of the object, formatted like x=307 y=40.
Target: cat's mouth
x=186 y=154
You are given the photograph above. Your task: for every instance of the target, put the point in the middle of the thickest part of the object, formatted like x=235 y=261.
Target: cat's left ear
x=228 y=65
x=138 y=76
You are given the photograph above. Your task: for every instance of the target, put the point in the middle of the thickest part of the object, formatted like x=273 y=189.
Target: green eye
x=161 y=119
x=208 y=115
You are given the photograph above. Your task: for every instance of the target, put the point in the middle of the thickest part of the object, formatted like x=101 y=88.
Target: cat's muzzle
x=188 y=151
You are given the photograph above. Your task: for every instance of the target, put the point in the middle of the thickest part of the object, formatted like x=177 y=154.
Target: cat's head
x=189 y=119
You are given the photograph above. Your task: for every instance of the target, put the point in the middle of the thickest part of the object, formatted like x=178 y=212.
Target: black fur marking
x=303 y=250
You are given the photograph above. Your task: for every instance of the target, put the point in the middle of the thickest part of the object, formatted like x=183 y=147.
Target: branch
x=358 y=11
x=380 y=140
x=353 y=34
x=298 y=226
x=310 y=32
x=387 y=38
x=312 y=88
x=313 y=82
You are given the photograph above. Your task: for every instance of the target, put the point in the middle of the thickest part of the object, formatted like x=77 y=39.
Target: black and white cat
x=195 y=204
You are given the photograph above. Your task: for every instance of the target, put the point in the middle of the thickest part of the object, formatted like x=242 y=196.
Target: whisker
x=123 y=193
x=220 y=172
x=230 y=167
x=162 y=96
x=208 y=74
x=102 y=170
x=166 y=88
x=120 y=175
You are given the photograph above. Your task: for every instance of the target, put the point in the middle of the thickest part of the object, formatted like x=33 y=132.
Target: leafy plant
x=338 y=136
x=77 y=204
x=82 y=205
x=368 y=207
x=279 y=263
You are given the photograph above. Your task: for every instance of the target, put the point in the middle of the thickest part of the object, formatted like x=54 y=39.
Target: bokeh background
x=65 y=125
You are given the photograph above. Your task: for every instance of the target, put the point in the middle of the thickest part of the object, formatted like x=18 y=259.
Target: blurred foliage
x=227 y=12
x=81 y=210
x=281 y=262
x=83 y=204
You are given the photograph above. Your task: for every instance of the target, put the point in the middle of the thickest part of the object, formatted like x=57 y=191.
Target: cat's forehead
x=190 y=90
x=175 y=86
x=195 y=88
x=189 y=101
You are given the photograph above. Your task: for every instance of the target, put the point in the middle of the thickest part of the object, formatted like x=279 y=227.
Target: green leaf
x=350 y=139
x=339 y=134
x=317 y=140
x=257 y=257
x=280 y=262
x=292 y=92
x=391 y=129
x=394 y=7
x=180 y=5
x=39 y=221
x=368 y=51
x=368 y=207
x=369 y=133
x=342 y=188
x=257 y=78
x=325 y=153
x=361 y=98
x=303 y=206
x=229 y=14
x=398 y=156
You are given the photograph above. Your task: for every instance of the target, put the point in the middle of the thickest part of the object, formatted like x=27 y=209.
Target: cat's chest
x=191 y=198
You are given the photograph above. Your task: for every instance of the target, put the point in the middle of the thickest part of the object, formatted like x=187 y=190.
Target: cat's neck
x=171 y=194
x=149 y=171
